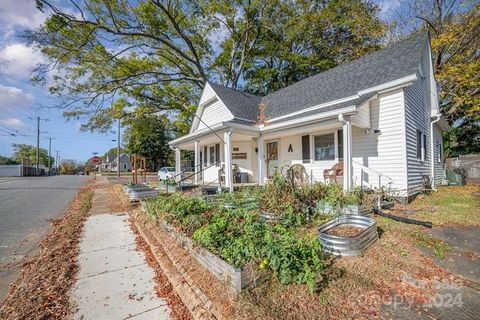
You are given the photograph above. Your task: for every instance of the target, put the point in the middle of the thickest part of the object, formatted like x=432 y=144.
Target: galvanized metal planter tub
x=327 y=208
x=332 y=209
x=143 y=194
x=354 y=209
x=246 y=204
x=348 y=246
x=270 y=217
x=168 y=188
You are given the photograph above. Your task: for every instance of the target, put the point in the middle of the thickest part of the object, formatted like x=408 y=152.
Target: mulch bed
x=41 y=290
x=345 y=231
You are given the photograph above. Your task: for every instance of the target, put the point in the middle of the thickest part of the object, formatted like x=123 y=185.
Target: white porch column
x=261 y=162
x=227 y=138
x=197 y=162
x=178 y=165
x=347 y=152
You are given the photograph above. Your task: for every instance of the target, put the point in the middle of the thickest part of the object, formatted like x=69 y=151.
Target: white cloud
x=14 y=123
x=388 y=8
x=20 y=14
x=14 y=99
x=19 y=60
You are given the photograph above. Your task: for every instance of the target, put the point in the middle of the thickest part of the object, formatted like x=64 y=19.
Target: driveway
x=27 y=206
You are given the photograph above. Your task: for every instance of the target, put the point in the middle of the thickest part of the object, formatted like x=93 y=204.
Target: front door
x=272 y=158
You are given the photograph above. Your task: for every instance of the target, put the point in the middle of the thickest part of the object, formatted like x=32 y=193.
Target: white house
x=378 y=115
x=111 y=160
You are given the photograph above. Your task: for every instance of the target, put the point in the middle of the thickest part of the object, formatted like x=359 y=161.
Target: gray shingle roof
x=354 y=102
x=396 y=61
x=241 y=104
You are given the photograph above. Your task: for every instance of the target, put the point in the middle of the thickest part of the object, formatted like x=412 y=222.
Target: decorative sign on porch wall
x=239 y=155
x=236 y=149
x=290 y=149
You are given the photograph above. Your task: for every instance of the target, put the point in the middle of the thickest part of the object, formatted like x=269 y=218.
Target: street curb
x=192 y=297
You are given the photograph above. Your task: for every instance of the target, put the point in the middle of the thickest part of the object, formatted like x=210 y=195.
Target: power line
x=14 y=131
x=18 y=80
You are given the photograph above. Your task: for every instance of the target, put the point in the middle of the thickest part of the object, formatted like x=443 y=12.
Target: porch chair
x=333 y=173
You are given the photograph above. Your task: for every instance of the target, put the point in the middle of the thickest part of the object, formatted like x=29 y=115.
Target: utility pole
x=37 y=158
x=118 y=149
x=50 y=156
x=56 y=161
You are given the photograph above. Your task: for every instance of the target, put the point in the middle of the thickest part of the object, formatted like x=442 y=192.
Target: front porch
x=255 y=155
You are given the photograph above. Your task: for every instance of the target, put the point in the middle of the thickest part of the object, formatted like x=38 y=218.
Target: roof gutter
x=304 y=120
x=196 y=134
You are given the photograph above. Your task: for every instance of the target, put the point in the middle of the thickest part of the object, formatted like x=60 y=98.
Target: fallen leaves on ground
x=162 y=285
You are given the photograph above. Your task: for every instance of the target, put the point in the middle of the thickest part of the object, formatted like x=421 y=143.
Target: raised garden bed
x=270 y=217
x=236 y=279
x=348 y=235
x=139 y=186
x=168 y=187
x=333 y=209
x=141 y=194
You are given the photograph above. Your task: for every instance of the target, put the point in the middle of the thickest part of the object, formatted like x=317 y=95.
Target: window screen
x=212 y=155
x=324 y=147
x=340 y=145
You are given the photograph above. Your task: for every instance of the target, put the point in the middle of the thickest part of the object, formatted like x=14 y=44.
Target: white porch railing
x=368 y=177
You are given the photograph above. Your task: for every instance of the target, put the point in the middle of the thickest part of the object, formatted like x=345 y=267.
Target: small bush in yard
x=294 y=259
x=187 y=213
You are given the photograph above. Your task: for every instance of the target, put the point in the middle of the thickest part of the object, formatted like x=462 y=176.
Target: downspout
x=347 y=156
x=438 y=117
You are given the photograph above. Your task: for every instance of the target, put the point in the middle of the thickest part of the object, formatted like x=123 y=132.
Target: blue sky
x=20 y=101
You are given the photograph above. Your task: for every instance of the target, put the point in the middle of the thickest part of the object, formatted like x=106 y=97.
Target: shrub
x=235 y=235
x=294 y=259
x=187 y=213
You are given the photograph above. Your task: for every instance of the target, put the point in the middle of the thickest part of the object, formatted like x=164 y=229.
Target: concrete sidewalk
x=114 y=280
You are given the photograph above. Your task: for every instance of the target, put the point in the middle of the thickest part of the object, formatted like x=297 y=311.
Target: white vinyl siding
x=384 y=152
x=313 y=167
x=246 y=165
x=214 y=113
x=417 y=114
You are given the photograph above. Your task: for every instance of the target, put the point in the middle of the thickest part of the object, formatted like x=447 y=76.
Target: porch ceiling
x=212 y=138
x=318 y=126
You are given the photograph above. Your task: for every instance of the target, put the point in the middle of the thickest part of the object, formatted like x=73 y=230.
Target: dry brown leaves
x=40 y=291
x=162 y=285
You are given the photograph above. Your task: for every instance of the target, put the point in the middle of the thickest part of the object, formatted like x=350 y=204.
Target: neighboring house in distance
x=125 y=164
x=110 y=163
x=107 y=162
x=378 y=116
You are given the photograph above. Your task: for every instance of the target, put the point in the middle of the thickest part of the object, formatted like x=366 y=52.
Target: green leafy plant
x=187 y=213
x=239 y=237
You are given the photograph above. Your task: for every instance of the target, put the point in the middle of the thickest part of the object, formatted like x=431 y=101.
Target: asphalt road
x=27 y=206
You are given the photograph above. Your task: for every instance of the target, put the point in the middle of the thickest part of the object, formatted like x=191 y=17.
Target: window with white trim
x=421 y=145
x=324 y=147
x=211 y=155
